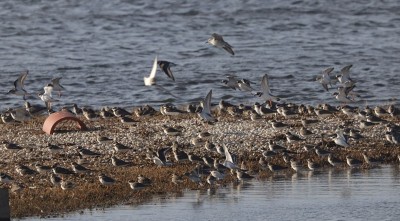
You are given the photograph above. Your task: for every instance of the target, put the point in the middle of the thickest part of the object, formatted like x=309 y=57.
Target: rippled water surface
x=102 y=49
x=326 y=195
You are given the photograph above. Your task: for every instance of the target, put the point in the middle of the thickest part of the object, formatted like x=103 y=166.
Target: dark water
x=327 y=195
x=103 y=49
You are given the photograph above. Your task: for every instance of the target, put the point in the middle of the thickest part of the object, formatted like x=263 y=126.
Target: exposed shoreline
x=245 y=138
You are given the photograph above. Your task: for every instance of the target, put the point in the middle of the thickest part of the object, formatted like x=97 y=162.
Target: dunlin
x=57 y=170
x=334 y=161
x=106 y=180
x=128 y=121
x=144 y=180
x=19 y=87
x=24 y=170
x=55 y=180
x=161 y=159
x=380 y=112
x=5 y=178
x=344 y=75
x=103 y=139
x=276 y=168
x=171 y=131
x=231 y=82
x=194 y=158
x=20 y=114
x=120 y=148
x=228 y=159
x=353 y=163
x=371 y=161
x=205 y=111
x=42 y=168
x=11 y=146
x=241 y=176
x=66 y=185
x=217 y=174
x=321 y=152
x=292 y=137
x=77 y=168
x=312 y=165
x=54 y=148
x=211 y=180
x=304 y=132
x=265 y=93
x=136 y=185
x=278 y=125
x=275 y=147
x=268 y=154
x=295 y=165
x=325 y=79
x=166 y=67
x=218 y=41
x=194 y=177
x=57 y=85
x=176 y=179
x=87 y=153
x=118 y=162
x=34 y=109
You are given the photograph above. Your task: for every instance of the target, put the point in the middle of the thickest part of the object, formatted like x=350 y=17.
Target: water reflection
x=335 y=194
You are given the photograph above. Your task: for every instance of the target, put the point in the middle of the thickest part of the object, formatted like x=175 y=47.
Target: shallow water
x=326 y=195
x=103 y=49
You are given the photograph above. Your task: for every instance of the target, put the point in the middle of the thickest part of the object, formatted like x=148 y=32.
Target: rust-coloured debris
x=53 y=119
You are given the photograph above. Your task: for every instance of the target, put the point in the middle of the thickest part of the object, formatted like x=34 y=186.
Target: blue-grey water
x=103 y=49
x=326 y=195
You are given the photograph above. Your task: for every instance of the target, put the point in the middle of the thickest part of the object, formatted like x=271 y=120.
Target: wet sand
x=245 y=138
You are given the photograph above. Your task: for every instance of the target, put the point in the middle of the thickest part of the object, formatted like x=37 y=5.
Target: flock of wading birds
x=209 y=164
